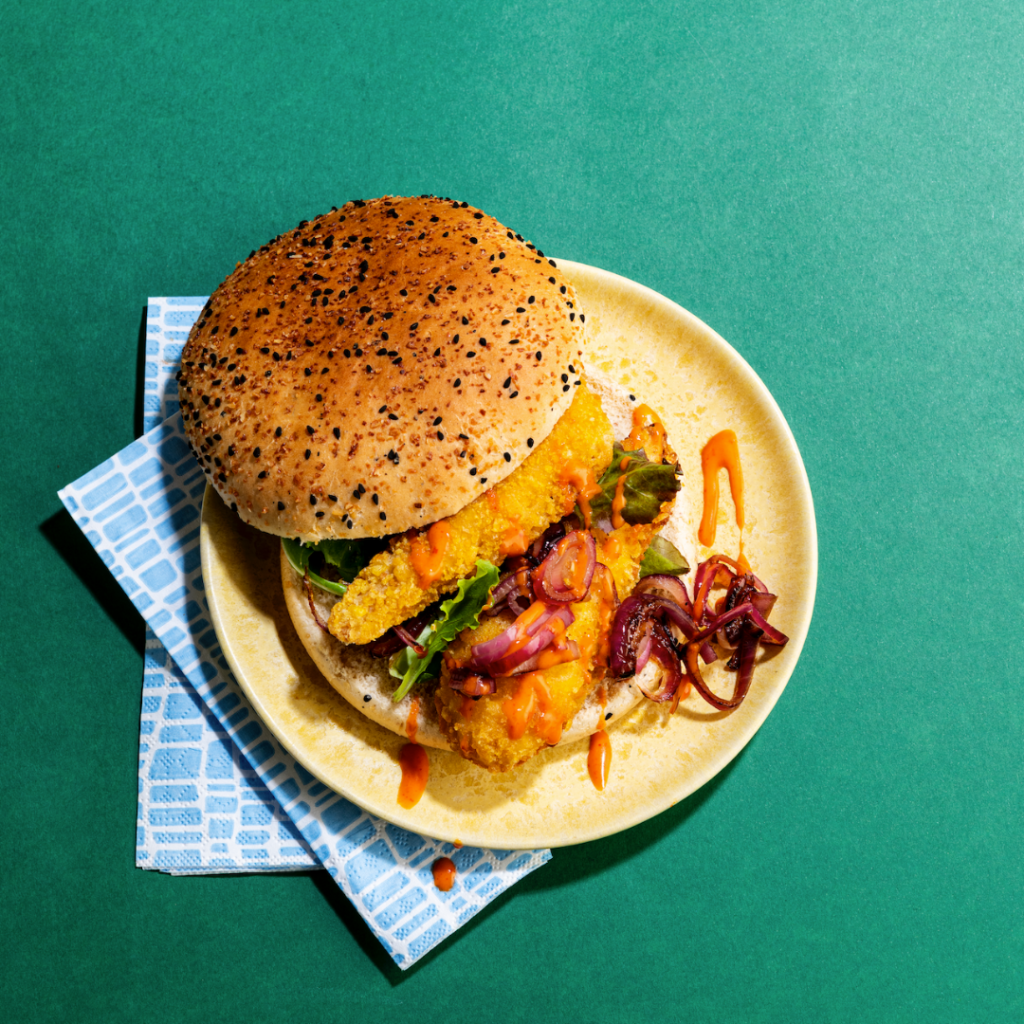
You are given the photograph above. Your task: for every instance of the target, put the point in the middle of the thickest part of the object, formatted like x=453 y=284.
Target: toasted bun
x=364 y=681
x=348 y=376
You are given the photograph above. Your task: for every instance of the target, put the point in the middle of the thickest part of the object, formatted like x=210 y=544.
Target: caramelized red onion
x=472 y=684
x=512 y=652
x=312 y=603
x=568 y=569
x=659 y=623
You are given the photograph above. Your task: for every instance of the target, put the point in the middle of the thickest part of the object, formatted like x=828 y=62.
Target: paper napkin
x=217 y=792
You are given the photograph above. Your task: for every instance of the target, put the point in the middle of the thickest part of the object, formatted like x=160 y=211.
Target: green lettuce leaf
x=349 y=557
x=462 y=611
x=647 y=485
x=663 y=557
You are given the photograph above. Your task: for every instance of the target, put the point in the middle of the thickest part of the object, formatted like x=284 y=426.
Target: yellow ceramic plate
x=700 y=385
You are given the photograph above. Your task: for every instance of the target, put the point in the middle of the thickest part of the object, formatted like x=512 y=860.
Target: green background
x=836 y=189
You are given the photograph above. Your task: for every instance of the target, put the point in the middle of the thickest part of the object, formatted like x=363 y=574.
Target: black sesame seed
x=508 y=458
x=280 y=506
x=255 y=453
x=277 y=433
x=376 y=499
x=508 y=382
x=261 y=474
x=583 y=319
x=312 y=499
x=565 y=377
x=232 y=332
x=392 y=416
x=513 y=394
x=412 y=327
x=332 y=497
x=565 y=387
x=457 y=382
x=367 y=697
x=472 y=472
x=437 y=421
x=529 y=442
x=440 y=436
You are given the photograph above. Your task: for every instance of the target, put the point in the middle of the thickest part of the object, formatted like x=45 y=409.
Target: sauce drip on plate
x=721 y=452
x=413 y=760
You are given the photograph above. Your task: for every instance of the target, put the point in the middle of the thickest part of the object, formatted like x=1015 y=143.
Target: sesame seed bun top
x=377 y=368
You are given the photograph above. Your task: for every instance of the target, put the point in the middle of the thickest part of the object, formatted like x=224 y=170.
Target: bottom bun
x=364 y=682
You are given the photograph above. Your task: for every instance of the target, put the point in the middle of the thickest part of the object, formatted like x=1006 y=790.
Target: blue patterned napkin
x=217 y=793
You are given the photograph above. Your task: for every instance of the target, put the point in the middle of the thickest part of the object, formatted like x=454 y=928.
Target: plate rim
x=715 y=764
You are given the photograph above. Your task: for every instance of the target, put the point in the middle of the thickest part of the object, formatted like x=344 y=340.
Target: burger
x=398 y=390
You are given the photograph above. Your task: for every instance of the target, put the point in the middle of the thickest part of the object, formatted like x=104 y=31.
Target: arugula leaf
x=662 y=556
x=457 y=613
x=349 y=557
x=647 y=485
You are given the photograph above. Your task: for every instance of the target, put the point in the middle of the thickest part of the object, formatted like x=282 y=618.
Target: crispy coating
x=518 y=509
x=482 y=729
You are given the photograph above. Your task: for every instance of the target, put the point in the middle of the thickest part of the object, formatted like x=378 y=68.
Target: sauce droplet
x=444 y=873
x=721 y=452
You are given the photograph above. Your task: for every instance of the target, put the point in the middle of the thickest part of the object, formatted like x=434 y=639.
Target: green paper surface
x=837 y=190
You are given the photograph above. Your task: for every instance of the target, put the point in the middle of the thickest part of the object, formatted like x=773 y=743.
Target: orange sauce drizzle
x=415 y=769
x=413 y=761
x=721 y=452
x=530 y=706
x=412 y=719
x=444 y=873
x=644 y=433
x=513 y=542
x=581 y=478
x=599 y=757
x=466 y=707
x=426 y=552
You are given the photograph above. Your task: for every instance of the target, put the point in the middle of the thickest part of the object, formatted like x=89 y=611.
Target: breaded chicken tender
x=504 y=520
x=529 y=712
